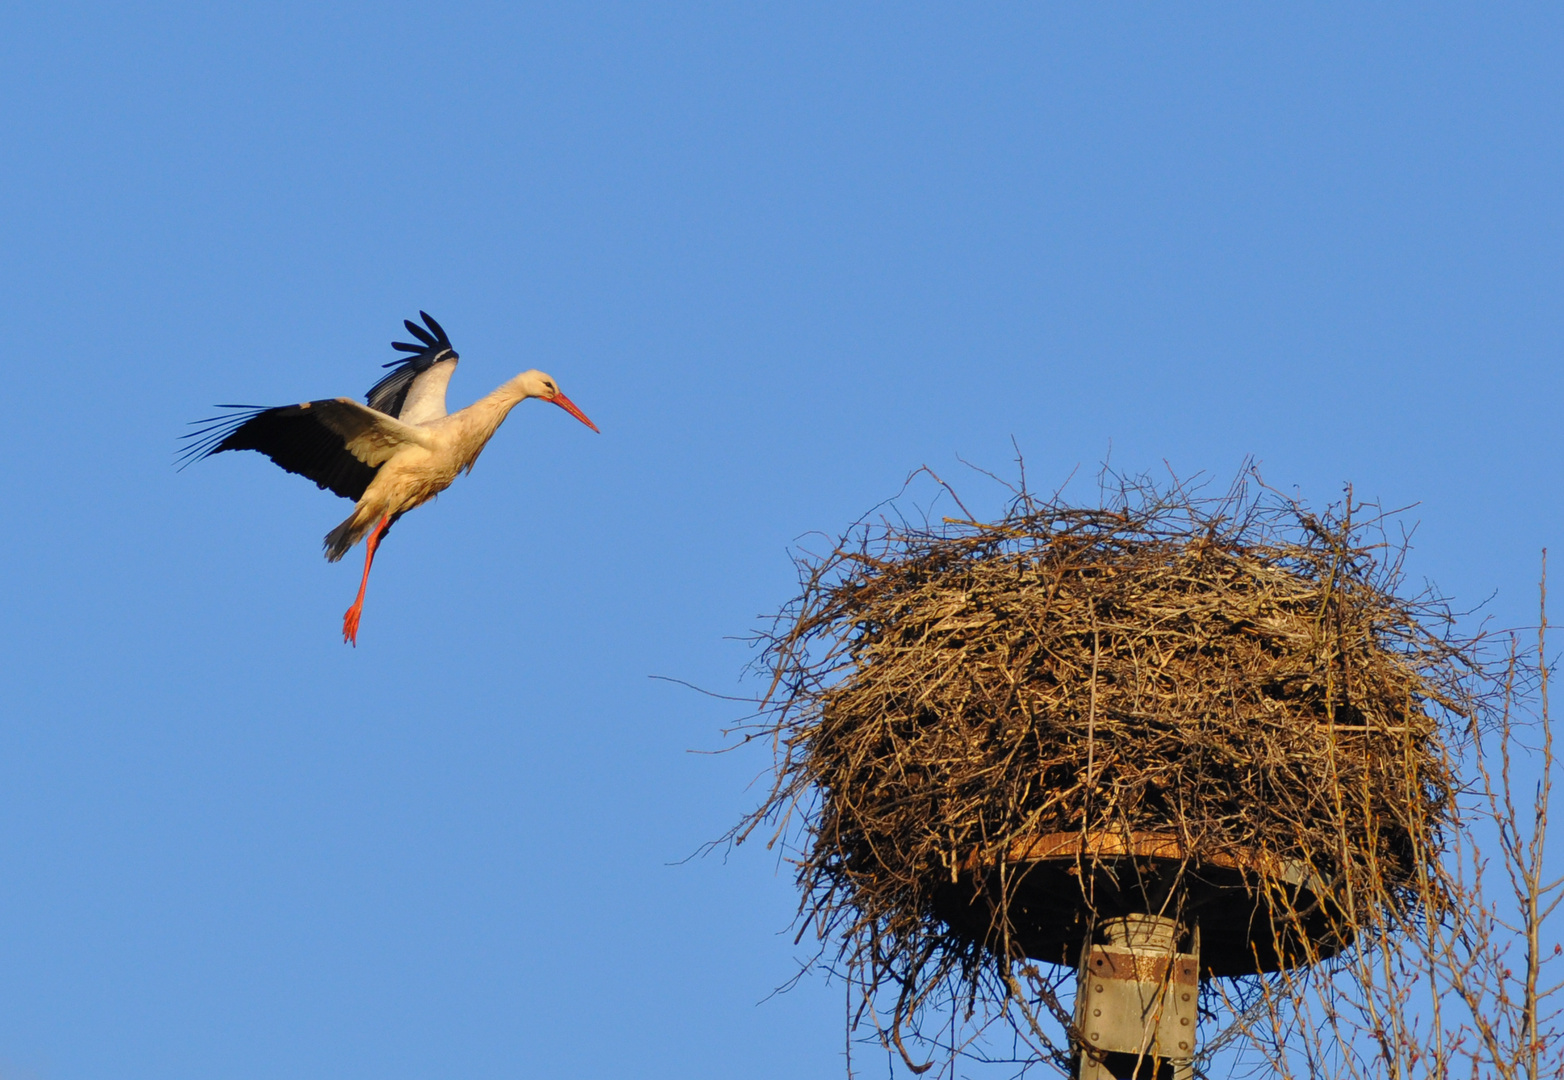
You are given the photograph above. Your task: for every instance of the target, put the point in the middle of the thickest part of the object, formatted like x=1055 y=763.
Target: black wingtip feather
x=210 y=432
x=439 y=331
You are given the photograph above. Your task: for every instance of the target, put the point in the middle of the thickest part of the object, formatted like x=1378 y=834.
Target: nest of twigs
x=991 y=734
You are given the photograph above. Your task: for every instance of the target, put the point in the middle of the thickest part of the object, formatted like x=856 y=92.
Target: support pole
x=1135 y=1003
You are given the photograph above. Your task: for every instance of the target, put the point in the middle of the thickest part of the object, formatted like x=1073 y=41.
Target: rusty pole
x=1135 y=1003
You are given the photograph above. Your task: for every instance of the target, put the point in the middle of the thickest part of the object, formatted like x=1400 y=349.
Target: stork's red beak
x=570 y=407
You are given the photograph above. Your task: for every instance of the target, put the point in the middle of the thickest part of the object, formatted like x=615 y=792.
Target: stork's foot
x=350 y=624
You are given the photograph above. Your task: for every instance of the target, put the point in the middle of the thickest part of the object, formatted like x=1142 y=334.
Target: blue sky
x=782 y=255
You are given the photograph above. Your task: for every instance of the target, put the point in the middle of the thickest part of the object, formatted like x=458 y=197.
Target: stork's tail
x=344 y=536
x=341 y=539
x=350 y=532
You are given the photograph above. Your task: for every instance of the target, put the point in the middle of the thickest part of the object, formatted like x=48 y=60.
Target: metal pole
x=1135 y=1003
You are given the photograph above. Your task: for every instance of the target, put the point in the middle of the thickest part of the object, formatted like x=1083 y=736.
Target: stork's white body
x=418 y=460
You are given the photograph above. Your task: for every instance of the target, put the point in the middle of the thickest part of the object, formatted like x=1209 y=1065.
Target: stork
x=396 y=453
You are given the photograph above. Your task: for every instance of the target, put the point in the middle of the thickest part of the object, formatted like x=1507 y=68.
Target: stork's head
x=537 y=384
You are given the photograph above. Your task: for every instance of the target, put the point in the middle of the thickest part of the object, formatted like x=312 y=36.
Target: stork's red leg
x=350 y=620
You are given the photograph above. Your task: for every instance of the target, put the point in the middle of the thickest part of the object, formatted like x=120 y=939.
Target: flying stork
x=398 y=452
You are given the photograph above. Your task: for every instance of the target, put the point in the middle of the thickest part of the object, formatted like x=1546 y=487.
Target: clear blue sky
x=782 y=255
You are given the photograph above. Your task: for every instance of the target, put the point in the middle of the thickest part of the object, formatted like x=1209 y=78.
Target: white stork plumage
x=398 y=452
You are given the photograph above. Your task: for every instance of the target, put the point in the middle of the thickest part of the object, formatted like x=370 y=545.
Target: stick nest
x=1237 y=674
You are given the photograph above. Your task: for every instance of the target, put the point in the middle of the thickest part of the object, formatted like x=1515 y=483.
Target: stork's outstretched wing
x=335 y=442
x=415 y=391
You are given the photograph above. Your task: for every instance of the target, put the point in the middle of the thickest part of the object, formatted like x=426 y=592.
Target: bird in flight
x=397 y=452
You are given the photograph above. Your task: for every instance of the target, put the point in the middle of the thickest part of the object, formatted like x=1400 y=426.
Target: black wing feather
x=439 y=331
x=390 y=393
x=292 y=436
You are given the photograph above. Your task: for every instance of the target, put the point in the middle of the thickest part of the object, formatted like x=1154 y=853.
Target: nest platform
x=1251 y=911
